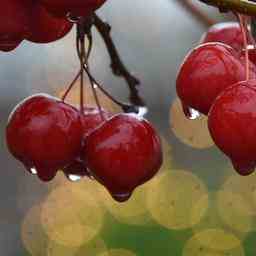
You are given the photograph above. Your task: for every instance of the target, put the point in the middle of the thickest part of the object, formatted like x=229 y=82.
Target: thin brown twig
x=117 y=65
x=126 y=107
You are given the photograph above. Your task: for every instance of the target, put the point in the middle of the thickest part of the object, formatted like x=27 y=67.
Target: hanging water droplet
x=194 y=114
x=45 y=174
x=74 y=178
x=33 y=170
x=121 y=197
x=142 y=111
x=190 y=113
x=95 y=86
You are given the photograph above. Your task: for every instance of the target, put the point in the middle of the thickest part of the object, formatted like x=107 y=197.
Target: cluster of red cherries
x=120 y=151
x=46 y=134
x=40 y=21
x=218 y=79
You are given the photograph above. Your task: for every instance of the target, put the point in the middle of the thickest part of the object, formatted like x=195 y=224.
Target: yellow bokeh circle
x=213 y=242
x=245 y=186
x=70 y=210
x=133 y=211
x=234 y=211
x=55 y=249
x=177 y=199
x=33 y=237
x=94 y=247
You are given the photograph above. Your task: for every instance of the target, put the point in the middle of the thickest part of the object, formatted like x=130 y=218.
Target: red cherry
x=206 y=72
x=14 y=23
x=232 y=124
x=122 y=154
x=91 y=119
x=7 y=45
x=229 y=33
x=46 y=28
x=74 y=7
x=44 y=134
x=252 y=55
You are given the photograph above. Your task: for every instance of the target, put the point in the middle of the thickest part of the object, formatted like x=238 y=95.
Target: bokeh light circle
x=234 y=211
x=245 y=186
x=33 y=236
x=133 y=211
x=70 y=210
x=213 y=242
x=177 y=199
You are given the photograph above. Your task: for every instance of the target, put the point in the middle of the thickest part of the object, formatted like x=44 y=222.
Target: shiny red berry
x=91 y=119
x=229 y=33
x=232 y=124
x=122 y=154
x=206 y=72
x=14 y=24
x=44 y=134
x=73 y=7
x=44 y=27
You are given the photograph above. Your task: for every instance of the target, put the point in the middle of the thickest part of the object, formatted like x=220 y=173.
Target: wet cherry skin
x=229 y=33
x=232 y=124
x=14 y=24
x=123 y=153
x=44 y=27
x=206 y=72
x=44 y=133
x=74 y=7
x=91 y=119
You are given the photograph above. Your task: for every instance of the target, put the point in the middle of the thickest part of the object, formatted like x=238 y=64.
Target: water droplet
x=95 y=86
x=142 y=111
x=33 y=170
x=121 y=197
x=190 y=113
x=45 y=173
x=194 y=114
x=74 y=178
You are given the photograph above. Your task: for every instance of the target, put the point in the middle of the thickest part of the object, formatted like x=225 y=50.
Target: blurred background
x=195 y=206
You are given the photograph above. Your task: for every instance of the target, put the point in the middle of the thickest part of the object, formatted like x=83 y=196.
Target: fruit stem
x=124 y=106
x=71 y=85
x=243 y=6
x=196 y=12
x=97 y=100
x=118 y=67
x=244 y=28
x=95 y=95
